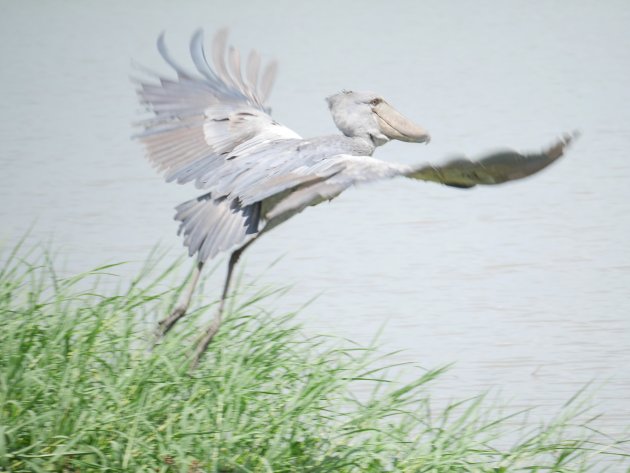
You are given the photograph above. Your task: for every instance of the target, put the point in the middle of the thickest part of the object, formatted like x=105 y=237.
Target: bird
x=212 y=129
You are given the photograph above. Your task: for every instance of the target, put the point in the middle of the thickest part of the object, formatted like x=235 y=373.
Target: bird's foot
x=202 y=344
x=166 y=324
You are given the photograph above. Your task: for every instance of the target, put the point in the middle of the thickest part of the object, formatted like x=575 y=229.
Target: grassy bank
x=80 y=391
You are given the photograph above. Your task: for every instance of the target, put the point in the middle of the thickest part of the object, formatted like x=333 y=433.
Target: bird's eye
x=375 y=101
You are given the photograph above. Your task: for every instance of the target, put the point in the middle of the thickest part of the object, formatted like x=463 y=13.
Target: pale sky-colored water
x=526 y=287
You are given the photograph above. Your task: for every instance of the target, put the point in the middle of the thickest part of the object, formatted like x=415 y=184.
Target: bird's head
x=368 y=115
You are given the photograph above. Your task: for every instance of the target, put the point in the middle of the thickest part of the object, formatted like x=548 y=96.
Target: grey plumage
x=210 y=226
x=212 y=127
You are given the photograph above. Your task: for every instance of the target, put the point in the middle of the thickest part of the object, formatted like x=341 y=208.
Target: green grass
x=80 y=391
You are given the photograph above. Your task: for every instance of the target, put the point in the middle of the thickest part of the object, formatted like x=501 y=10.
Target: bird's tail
x=211 y=226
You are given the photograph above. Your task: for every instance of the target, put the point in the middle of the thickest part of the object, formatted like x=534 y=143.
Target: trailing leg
x=215 y=324
x=166 y=324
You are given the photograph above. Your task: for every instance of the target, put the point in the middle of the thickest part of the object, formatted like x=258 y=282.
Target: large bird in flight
x=212 y=128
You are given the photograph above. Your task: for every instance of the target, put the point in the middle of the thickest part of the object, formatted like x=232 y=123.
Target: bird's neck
x=363 y=145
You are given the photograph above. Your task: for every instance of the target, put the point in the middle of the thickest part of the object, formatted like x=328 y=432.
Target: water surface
x=525 y=287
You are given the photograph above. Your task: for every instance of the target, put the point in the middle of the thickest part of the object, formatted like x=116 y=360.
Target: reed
x=80 y=391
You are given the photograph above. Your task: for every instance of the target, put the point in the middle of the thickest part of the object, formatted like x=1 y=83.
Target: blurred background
x=524 y=287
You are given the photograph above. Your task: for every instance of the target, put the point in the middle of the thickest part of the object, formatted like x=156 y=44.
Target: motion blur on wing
x=211 y=128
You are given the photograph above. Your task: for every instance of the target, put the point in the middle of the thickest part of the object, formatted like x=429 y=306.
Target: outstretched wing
x=201 y=118
x=496 y=168
x=492 y=169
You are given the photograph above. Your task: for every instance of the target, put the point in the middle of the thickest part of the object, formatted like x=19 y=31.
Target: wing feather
x=181 y=72
x=235 y=66
x=268 y=78
x=213 y=225
x=201 y=118
x=344 y=171
x=494 y=168
x=198 y=57
x=253 y=69
x=212 y=127
x=218 y=57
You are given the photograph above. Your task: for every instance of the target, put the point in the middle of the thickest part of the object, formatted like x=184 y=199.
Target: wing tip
x=222 y=34
x=160 y=40
x=197 y=38
x=558 y=149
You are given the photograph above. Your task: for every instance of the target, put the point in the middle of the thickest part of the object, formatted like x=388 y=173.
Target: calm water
x=526 y=287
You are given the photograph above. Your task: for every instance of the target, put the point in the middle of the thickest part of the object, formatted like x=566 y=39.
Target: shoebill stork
x=211 y=128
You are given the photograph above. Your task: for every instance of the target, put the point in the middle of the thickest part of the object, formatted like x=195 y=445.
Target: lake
x=525 y=287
